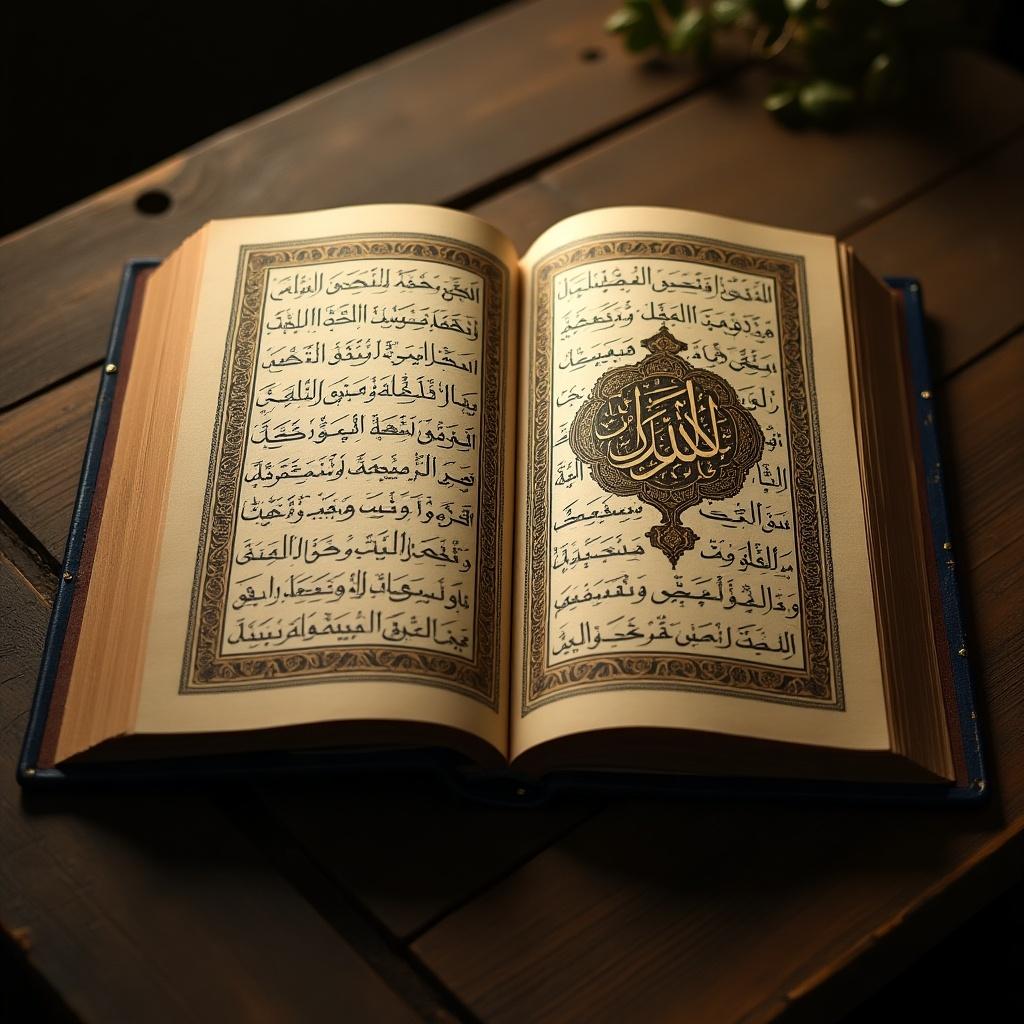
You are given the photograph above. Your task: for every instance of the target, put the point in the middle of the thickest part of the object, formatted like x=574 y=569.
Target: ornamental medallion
x=669 y=433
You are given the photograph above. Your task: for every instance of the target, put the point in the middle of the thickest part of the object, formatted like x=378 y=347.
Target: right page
x=691 y=539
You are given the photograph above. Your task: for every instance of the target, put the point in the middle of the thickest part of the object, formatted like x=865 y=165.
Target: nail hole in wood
x=153 y=202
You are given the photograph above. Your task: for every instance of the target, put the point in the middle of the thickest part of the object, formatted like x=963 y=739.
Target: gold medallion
x=669 y=433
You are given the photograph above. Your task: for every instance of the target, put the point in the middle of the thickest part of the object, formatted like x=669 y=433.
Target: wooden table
x=272 y=904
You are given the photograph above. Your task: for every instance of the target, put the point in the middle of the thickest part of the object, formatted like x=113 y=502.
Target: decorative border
x=820 y=684
x=205 y=669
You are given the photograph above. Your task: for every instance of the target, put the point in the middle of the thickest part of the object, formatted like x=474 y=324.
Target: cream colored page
x=764 y=627
x=335 y=540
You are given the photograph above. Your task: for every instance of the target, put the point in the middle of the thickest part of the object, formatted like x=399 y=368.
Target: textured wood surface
x=367 y=904
x=42 y=444
x=156 y=902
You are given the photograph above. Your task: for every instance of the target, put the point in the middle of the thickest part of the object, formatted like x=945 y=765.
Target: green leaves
x=887 y=79
x=784 y=102
x=727 y=12
x=670 y=25
x=840 y=57
x=638 y=25
x=692 y=34
x=819 y=102
x=829 y=104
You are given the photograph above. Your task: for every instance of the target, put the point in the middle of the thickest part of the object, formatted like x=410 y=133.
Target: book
x=658 y=502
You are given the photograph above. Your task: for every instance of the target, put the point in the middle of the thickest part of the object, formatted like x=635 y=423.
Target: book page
x=336 y=544
x=692 y=547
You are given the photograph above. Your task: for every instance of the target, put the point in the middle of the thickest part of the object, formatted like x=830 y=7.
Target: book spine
x=29 y=773
x=944 y=576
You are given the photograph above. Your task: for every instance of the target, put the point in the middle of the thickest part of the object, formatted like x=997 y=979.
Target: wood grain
x=983 y=431
x=718 y=153
x=42 y=444
x=964 y=284
x=153 y=907
x=957 y=230
x=963 y=238
x=733 y=912
x=437 y=121
x=429 y=852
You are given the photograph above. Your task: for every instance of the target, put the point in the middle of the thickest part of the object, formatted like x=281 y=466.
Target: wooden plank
x=735 y=912
x=983 y=442
x=155 y=908
x=960 y=238
x=41 y=444
x=696 y=154
x=963 y=239
x=413 y=853
x=719 y=153
x=431 y=123
x=526 y=210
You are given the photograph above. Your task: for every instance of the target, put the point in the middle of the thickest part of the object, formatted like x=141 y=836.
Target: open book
x=648 y=499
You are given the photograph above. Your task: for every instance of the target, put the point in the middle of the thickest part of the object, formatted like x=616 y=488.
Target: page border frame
x=478 y=678
x=666 y=672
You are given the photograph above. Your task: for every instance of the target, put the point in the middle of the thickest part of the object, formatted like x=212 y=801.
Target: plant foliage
x=836 y=58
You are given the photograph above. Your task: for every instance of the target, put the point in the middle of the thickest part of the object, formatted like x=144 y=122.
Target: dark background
x=93 y=94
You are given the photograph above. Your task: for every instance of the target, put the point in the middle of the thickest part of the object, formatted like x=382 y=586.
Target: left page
x=337 y=534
